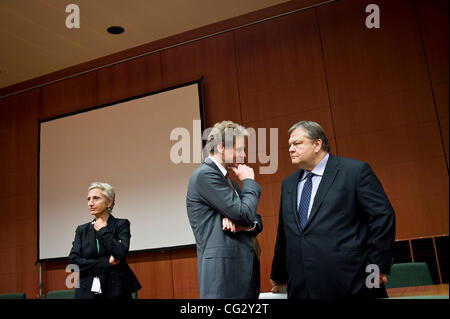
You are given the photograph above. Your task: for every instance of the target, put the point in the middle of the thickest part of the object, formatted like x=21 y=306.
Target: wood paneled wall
x=380 y=94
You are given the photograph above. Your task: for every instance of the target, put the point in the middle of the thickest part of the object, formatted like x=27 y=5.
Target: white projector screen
x=126 y=144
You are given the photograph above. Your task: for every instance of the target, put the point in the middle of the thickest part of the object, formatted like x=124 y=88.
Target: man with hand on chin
x=223 y=217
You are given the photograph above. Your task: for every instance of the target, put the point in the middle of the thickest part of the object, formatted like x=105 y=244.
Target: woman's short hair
x=222 y=132
x=314 y=132
x=107 y=191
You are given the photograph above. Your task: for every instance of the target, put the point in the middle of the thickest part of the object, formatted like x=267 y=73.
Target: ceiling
x=35 y=41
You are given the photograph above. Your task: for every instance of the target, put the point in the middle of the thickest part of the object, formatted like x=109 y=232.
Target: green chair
x=408 y=275
x=61 y=294
x=134 y=295
x=14 y=295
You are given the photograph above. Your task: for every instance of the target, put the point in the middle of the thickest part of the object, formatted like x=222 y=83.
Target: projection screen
x=126 y=144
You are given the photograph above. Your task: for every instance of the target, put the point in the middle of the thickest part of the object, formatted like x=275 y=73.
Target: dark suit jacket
x=225 y=259
x=116 y=280
x=351 y=225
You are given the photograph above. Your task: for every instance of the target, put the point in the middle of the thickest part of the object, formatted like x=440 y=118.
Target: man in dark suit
x=223 y=217
x=334 y=220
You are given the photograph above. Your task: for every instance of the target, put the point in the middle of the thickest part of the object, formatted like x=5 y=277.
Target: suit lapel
x=328 y=177
x=90 y=234
x=293 y=190
x=210 y=163
x=110 y=224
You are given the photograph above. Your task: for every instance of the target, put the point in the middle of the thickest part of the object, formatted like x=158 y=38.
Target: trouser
x=254 y=286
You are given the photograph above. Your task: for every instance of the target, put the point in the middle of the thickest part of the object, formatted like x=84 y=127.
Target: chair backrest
x=14 y=295
x=409 y=274
x=61 y=294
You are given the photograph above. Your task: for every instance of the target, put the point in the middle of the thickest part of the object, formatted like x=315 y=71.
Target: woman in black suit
x=100 y=248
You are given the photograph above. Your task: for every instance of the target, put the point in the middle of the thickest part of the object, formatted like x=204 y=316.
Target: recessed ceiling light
x=115 y=29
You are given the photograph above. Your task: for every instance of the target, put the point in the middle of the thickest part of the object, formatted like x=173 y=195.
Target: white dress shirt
x=220 y=166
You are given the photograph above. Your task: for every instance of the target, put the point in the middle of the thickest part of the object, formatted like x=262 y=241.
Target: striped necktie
x=305 y=199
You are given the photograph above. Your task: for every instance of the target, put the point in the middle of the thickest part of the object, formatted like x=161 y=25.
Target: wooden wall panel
x=19 y=148
x=6 y=135
x=417 y=203
x=9 y=208
x=214 y=59
x=266 y=205
x=17 y=266
x=383 y=107
x=8 y=261
x=445 y=136
x=28 y=282
x=433 y=20
x=128 y=79
x=185 y=276
x=26 y=256
x=393 y=146
x=267 y=240
x=54 y=275
x=67 y=96
x=384 y=112
x=154 y=272
x=280 y=67
x=8 y=283
x=364 y=63
x=18 y=190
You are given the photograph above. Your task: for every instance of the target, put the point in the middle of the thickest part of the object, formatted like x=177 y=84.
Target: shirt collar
x=320 y=168
x=220 y=166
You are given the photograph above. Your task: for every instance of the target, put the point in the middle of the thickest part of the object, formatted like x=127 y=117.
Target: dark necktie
x=305 y=198
x=230 y=182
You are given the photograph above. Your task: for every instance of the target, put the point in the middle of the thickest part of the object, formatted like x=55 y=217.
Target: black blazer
x=351 y=225
x=118 y=280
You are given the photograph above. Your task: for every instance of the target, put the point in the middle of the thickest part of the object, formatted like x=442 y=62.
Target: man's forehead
x=297 y=134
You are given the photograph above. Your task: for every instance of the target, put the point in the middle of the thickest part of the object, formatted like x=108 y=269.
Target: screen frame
x=199 y=83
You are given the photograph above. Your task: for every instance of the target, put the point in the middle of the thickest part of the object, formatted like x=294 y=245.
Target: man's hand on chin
x=243 y=171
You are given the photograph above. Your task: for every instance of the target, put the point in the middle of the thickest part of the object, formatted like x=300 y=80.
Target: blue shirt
x=318 y=173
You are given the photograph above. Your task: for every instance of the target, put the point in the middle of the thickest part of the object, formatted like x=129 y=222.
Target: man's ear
x=318 y=145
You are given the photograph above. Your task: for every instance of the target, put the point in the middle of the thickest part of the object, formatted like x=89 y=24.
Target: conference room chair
x=61 y=294
x=409 y=275
x=14 y=295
